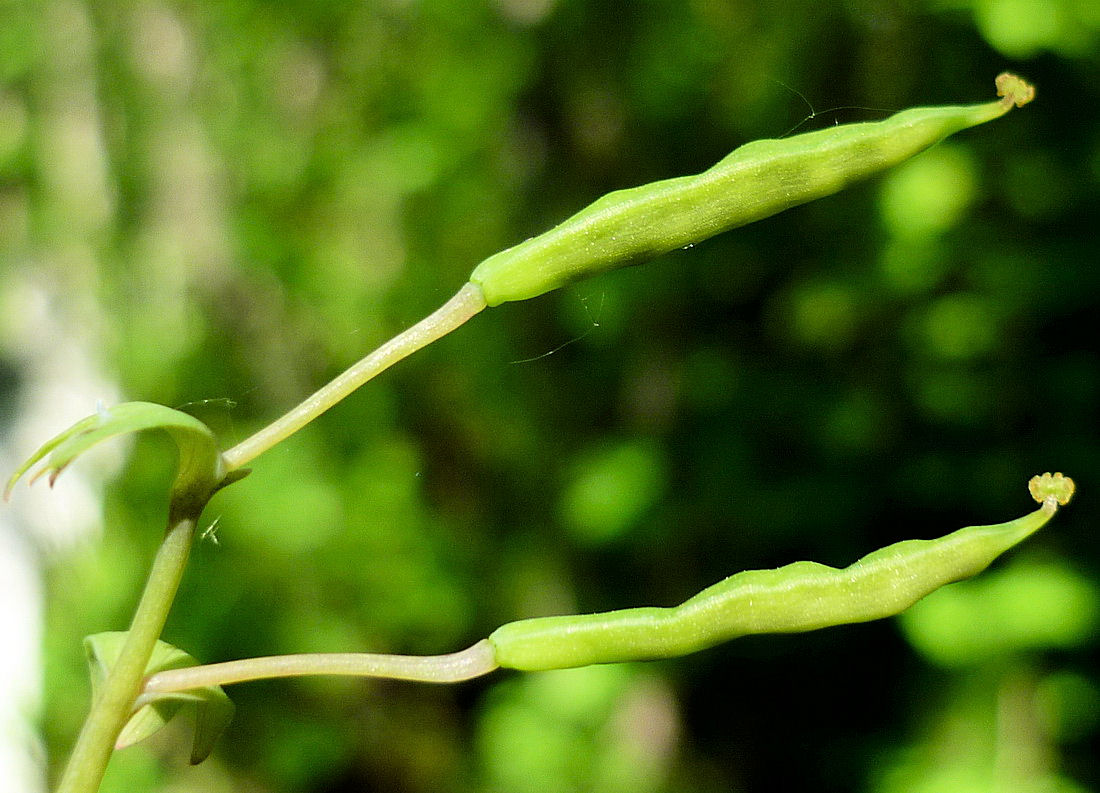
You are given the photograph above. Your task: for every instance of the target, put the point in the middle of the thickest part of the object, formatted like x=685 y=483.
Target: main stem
x=466 y=303
x=115 y=701
x=117 y=697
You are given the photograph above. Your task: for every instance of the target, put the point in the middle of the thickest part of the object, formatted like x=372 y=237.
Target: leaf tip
x=38 y=475
x=54 y=473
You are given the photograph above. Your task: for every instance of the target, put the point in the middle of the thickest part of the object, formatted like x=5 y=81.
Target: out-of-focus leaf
x=1026 y=606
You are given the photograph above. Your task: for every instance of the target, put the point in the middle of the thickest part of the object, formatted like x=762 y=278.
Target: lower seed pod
x=802 y=596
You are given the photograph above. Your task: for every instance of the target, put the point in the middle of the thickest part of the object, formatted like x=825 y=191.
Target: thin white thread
x=595 y=324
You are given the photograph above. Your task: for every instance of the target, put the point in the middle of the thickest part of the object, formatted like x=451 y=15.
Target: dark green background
x=233 y=201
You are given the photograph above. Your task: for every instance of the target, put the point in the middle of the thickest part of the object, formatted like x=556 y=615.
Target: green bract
x=212 y=709
x=757 y=180
x=201 y=469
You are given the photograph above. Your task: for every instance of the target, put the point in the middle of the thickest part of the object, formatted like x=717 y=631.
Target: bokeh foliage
x=232 y=201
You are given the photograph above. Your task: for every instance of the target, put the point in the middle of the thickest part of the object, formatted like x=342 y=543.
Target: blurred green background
x=221 y=205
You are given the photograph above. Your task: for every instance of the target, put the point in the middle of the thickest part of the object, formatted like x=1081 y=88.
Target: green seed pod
x=757 y=180
x=802 y=596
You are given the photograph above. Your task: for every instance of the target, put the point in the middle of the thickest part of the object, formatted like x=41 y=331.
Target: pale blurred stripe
x=51 y=330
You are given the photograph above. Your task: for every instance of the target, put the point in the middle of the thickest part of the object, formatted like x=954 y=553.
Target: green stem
x=452 y=668
x=466 y=303
x=115 y=703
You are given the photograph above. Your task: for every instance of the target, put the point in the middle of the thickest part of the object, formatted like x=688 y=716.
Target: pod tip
x=1051 y=486
x=1014 y=90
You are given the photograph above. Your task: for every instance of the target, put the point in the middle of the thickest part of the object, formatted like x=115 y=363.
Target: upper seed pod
x=757 y=180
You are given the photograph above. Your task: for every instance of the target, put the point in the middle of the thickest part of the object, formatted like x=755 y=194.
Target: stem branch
x=469 y=663
x=465 y=304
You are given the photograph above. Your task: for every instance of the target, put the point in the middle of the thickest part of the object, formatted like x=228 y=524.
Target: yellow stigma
x=1049 y=485
x=1014 y=90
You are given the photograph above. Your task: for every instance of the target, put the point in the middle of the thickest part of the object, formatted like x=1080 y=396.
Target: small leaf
x=212 y=716
x=147 y=721
x=201 y=468
x=210 y=705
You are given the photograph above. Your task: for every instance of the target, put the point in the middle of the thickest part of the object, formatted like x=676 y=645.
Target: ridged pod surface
x=802 y=596
x=754 y=181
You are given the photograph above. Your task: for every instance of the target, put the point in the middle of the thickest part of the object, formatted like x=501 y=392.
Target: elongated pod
x=802 y=596
x=630 y=226
x=757 y=180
